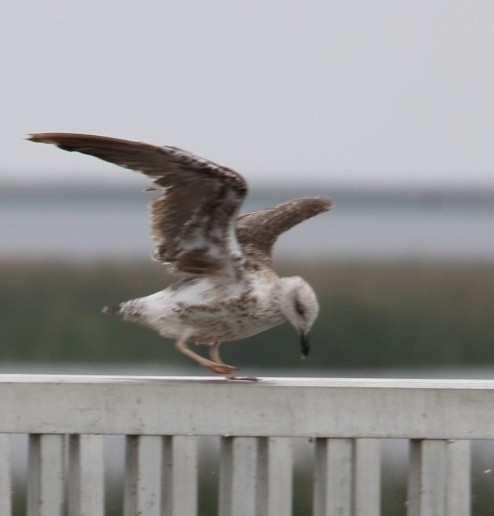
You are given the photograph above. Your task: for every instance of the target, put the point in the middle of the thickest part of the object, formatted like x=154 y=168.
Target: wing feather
x=192 y=220
x=258 y=231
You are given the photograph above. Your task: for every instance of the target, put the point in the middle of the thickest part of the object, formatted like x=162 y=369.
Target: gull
x=226 y=288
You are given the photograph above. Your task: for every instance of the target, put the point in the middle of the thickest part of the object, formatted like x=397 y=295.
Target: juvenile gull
x=227 y=289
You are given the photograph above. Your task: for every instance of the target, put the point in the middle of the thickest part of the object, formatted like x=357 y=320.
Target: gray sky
x=353 y=92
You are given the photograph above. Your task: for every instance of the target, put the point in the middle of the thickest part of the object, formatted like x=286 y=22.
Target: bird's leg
x=214 y=352
x=214 y=355
x=216 y=367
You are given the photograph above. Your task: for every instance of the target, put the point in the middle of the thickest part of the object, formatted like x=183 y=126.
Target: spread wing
x=257 y=231
x=193 y=218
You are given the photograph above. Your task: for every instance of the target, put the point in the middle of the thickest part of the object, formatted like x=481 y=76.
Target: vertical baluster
x=86 y=475
x=179 y=493
x=46 y=475
x=226 y=476
x=458 y=479
x=427 y=478
x=367 y=489
x=237 y=496
x=142 y=482
x=333 y=482
x=5 y=475
x=274 y=478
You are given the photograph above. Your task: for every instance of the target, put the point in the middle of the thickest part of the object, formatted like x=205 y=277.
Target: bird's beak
x=304 y=345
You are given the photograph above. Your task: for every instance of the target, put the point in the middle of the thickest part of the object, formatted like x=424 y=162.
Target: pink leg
x=216 y=367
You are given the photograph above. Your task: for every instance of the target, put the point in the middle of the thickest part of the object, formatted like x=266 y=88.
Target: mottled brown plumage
x=230 y=290
x=258 y=231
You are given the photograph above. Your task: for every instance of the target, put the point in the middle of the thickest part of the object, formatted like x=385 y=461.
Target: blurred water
x=89 y=224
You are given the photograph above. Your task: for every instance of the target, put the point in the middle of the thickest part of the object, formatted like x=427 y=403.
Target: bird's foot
x=223 y=369
x=228 y=370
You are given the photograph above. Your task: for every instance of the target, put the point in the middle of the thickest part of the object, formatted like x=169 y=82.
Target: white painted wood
x=274 y=476
x=46 y=475
x=179 y=493
x=162 y=416
x=86 y=476
x=270 y=407
x=458 y=501
x=439 y=478
x=238 y=469
x=427 y=478
x=333 y=477
x=226 y=476
x=142 y=481
x=5 y=475
x=367 y=489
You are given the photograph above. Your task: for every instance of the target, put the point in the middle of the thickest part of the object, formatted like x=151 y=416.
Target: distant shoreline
x=429 y=196
x=88 y=223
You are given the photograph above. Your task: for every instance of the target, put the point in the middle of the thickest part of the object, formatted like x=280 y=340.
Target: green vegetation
x=372 y=315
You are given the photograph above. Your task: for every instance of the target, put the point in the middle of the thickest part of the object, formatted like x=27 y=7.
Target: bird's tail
x=112 y=310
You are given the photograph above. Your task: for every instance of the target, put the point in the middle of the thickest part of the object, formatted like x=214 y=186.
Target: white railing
x=162 y=419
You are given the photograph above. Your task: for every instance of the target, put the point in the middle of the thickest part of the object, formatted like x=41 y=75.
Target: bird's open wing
x=257 y=231
x=193 y=220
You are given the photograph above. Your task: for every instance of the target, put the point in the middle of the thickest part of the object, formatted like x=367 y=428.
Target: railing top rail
x=296 y=407
x=368 y=383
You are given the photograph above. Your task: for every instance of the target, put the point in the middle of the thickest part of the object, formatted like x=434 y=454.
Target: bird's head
x=299 y=305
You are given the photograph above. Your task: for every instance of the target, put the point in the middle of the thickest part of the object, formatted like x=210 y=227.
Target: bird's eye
x=300 y=308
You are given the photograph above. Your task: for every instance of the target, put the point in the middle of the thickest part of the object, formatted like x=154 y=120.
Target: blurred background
x=385 y=107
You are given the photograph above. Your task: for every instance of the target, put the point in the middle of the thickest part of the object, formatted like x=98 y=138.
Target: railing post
x=427 y=478
x=5 y=475
x=367 y=477
x=142 y=481
x=237 y=489
x=439 y=478
x=86 y=487
x=458 y=502
x=274 y=476
x=46 y=475
x=333 y=477
x=347 y=477
x=179 y=484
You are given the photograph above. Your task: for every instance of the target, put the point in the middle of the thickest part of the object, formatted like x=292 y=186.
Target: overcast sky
x=361 y=92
